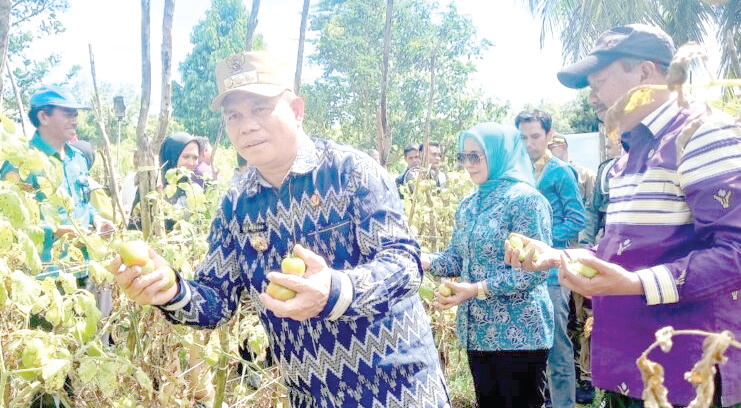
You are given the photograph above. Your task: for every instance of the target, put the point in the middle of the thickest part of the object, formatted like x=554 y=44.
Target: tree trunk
x=383 y=142
x=18 y=100
x=110 y=169
x=4 y=35
x=144 y=158
x=166 y=53
x=428 y=118
x=251 y=25
x=301 y=40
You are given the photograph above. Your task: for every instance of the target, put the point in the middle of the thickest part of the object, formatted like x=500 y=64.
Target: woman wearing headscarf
x=505 y=317
x=179 y=150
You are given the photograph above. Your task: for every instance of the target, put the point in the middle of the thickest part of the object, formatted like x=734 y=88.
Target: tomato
x=134 y=253
x=426 y=293
x=293 y=265
x=445 y=290
x=148 y=268
x=279 y=292
x=168 y=275
x=584 y=270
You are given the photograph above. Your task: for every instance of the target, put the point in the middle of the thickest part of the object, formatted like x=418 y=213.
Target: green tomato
x=134 y=253
x=293 y=265
x=168 y=275
x=427 y=293
x=279 y=292
x=515 y=242
x=584 y=270
x=445 y=290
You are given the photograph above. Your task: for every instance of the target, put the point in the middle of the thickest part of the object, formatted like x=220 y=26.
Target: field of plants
x=57 y=344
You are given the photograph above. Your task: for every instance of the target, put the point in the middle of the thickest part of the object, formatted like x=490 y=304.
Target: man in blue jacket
x=356 y=333
x=557 y=181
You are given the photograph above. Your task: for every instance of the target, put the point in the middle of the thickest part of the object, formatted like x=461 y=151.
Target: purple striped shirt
x=674 y=219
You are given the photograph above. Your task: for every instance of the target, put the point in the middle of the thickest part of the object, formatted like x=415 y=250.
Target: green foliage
x=575 y=116
x=31 y=20
x=344 y=102
x=220 y=34
x=579 y=23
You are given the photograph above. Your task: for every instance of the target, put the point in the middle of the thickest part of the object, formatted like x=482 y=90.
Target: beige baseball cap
x=255 y=72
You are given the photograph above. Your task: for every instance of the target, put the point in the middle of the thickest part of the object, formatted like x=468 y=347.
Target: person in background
x=98 y=195
x=586 y=177
x=54 y=114
x=178 y=151
x=356 y=332
x=434 y=158
x=557 y=181
x=597 y=208
x=505 y=317
x=670 y=252
x=580 y=307
x=411 y=157
x=204 y=169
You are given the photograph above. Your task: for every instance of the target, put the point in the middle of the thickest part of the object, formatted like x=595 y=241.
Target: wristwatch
x=480 y=291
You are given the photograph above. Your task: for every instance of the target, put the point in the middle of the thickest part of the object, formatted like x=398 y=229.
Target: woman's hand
x=534 y=256
x=462 y=291
x=425 y=260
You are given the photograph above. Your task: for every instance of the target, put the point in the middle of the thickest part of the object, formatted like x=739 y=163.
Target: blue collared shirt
x=75 y=183
x=558 y=183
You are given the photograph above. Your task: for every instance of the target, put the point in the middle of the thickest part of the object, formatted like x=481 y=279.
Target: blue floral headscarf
x=505 y=153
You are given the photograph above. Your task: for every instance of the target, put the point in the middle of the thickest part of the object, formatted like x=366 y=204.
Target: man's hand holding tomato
x=312 y=289
x=611 y=280
x=144 y=288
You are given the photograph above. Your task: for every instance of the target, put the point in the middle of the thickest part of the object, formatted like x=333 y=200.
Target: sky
x=515 y=68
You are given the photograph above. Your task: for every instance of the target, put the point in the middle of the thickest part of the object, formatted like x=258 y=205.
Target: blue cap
x=55 y=96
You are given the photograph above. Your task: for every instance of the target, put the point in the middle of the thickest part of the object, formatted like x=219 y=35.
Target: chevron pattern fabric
x=372 y=346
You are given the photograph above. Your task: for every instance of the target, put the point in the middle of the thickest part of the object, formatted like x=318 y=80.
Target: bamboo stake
x=110 y=170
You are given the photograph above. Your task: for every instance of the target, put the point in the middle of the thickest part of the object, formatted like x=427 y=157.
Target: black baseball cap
x=634 y=41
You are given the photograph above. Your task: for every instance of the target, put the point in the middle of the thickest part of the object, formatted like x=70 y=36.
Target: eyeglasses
x=473 y=157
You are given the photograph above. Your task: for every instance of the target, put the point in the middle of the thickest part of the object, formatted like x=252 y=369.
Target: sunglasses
x=473 y=157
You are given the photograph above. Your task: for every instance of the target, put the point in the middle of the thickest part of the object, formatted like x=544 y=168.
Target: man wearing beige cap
x=356 y=333
x=670 y=254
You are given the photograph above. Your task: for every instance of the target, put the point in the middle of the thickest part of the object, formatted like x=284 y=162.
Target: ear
x=647 y=70
x=43 y=117
x=297 y=106
x=549 y=135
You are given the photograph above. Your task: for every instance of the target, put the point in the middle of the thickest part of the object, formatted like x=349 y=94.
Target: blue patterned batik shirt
x=518 y=313
x=372 y=345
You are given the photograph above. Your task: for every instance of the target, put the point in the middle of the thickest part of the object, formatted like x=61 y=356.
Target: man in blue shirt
x=557 y=181
x=356 y=333
x=54 y=114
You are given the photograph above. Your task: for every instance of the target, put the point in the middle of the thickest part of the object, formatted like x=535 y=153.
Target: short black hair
x=33 y=114
x=535 y=115
x=431 y=143
x=410 y=148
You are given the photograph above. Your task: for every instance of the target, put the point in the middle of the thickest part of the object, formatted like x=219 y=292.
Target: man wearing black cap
x=671 y=252
x=54 y=114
